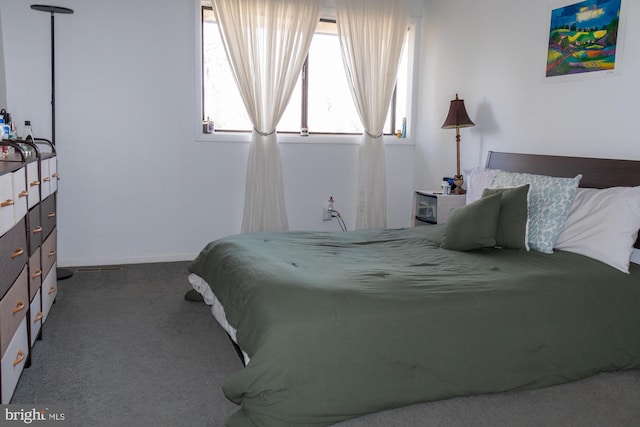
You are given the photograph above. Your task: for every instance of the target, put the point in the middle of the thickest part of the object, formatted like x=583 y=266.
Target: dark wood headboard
x=596 y=173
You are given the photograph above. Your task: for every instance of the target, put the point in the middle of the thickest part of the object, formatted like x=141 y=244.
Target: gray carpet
x=121 y=347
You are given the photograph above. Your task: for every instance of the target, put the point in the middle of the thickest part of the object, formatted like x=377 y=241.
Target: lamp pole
x=52 y=10
x=62 y=273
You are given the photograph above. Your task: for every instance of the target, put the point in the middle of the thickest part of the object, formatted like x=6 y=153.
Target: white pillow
x=603 y=224
x=476 y=180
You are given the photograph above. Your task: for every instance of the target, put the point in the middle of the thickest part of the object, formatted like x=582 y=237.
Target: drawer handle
x=38 y=317
x=34 y=183
x=36 y=274
x=52 y=290
x=17 y=253
x=52 y=253
x=37 y=230
x=6 y=203
x=19 y=358
x=18 y=307
x=55 y=175
x=23 y=193
x=51 y=215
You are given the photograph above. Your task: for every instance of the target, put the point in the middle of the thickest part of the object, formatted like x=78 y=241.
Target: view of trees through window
x=330 y=108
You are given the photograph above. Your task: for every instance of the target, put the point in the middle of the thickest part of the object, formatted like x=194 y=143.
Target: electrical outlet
x=326 y=214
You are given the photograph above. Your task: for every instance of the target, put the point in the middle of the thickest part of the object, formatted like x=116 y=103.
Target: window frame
x=295 y=137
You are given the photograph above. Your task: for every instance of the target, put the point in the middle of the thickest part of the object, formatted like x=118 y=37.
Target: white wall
x=3 y=87
x=493 y=54
x=136 y=185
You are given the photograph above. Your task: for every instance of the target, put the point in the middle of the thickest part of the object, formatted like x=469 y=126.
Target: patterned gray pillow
x=550 y=200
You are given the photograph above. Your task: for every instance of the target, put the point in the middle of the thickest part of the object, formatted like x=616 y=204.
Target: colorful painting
x=583 y=37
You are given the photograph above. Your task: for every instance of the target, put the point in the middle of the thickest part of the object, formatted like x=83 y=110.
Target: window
x=321 y=100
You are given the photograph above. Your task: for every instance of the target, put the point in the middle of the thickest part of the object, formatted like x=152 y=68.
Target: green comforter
x=338 y=325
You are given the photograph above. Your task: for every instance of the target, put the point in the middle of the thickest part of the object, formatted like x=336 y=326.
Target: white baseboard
x=93 y=261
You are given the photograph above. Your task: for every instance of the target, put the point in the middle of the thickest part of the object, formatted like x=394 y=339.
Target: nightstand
x=433 y=207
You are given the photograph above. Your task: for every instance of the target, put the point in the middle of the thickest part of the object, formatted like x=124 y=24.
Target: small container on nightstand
x=433 y=207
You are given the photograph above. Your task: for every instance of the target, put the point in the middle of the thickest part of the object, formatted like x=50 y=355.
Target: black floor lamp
x=62 y=273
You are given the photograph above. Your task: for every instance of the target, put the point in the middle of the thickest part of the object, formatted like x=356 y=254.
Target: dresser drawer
x=49 y=292
x=45 y=179
x=48 y=215
x=35 y=314
x=34 y=222
x=52 y=163
x=13 y=308
x=33 y=184
x=20 y=193
x=35 y=273
x=13 y=361
x=49 y=254
x=48 y=176
x=6 y=203
x=13 y=255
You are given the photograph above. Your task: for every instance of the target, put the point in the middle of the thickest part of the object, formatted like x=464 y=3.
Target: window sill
x=286 y=138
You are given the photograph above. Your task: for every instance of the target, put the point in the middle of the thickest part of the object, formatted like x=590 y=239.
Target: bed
x=333 y=326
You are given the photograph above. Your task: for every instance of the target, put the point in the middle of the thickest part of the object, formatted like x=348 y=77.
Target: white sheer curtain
x=266 y=42
x=371 y=35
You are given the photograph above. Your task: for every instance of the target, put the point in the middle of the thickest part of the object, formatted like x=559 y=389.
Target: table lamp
x=457 y=118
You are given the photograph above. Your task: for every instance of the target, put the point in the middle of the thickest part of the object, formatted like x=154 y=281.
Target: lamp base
x=63 y=273
x=458 y=181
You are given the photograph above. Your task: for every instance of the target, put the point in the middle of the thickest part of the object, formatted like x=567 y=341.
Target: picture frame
x=584 y=39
